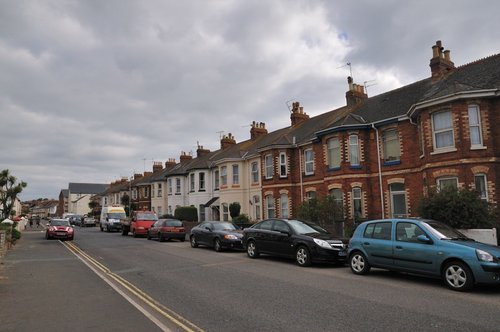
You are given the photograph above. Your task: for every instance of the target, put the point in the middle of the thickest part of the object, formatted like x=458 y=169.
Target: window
x=159 y=191
x=475 y=126
x=309 y=162
x=357 y=206
x=225 y=212
x=202 y=212
x=146 y=191
x=236 y=174
x=201 y=184
x=390 y=141
x=354 y=150
x=170 y=209
x=448 y=182
x=159 y=211
x=177 y=186
x=379 y=230
x=442 y=127
x=407 y=232
x=169 y=183
x=256 y=204
x=283 y=171
x=480 y=184
x=280 y=226
x=255 y=172
x=191 y=182
x=310 y=195
x=216 y=180
x=268 y=159
x=284 y=206
x=398 y=200
x=223 y=176
x=270 y=206
x=334 y=157
x=152 y=190
x=337 y=196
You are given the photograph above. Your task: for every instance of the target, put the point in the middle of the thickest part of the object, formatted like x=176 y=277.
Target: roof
x=86 y=188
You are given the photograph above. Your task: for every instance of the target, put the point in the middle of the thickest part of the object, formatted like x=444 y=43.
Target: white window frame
x=216 y=180
x=159 y=190
x=270 y=207
x=395 y=193
x=268 y=163
x=201 y=181
x=387 y=140
x=225 y=212
x=283 y=165
x=483 y=195
x=236 y=174
x=440 y=180
x=256 y=204
x=333 y=151
x=177 y=186
x=255 y=172
x=471 y=110
x=191 y=182
x=357 y=196
x=169 y=182
x=354 y=155
x=436 y=132
x=308 y=161
x=223 y=176
x=284 y=206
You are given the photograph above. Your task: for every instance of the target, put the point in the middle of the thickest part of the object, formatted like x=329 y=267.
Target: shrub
x=458 y=208
x=234 y=209
x=186 y=213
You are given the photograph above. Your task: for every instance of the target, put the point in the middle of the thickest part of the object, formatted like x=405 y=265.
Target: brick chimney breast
x=257 y=129
x=356 y=93
x=185 y=157
x=227 y=141
x=200 y=151
x=298 y=115
x=440 y=63
x=170 y=163
x=137 y=176
x=157 y=166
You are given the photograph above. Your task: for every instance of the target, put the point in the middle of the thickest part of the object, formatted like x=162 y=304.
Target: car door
x=280 y=239
x=377 y=243
x=262 y=235
x=205 y=234
x=412 y=255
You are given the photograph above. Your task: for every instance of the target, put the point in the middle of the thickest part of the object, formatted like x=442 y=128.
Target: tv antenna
x=220 y=133
x=367 y=85
x=348 y=64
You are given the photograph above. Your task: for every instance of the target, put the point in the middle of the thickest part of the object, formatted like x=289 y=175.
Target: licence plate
x=61 y=233
x=342 y=253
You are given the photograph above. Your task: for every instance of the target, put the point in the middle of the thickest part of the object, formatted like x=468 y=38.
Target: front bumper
x=233 y=244
x=321 y=255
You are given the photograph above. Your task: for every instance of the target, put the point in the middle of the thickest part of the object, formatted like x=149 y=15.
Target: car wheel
x=217 y=245
x=458 y=276
x=102 y=230
x=359 y=264
x=124 y=232
x=194 y=244
x=252 y=250
x=302 y=256
x=183 y=239
x=47 y=236
x=160 y=237
x=107 y=229
x=134 y=234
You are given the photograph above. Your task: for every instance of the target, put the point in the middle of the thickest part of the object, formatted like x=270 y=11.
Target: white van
x=110 y=218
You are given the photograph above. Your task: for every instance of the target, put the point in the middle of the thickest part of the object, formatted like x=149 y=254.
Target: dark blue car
x=424 y=247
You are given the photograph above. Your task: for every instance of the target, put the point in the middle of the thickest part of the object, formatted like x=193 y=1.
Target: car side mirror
x=424 y=239
x=208 y=229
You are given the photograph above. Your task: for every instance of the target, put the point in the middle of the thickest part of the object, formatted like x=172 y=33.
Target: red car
x=59 y=229
x=166 y=229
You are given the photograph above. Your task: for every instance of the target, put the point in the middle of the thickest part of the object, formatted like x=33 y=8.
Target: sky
x=96 y=90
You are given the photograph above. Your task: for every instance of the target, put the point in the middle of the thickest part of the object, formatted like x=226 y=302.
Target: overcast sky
x=91 y=91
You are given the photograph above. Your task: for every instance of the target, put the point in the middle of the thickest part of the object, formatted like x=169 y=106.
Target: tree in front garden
x=9 y=190
x=324 y=211
x=458 y=208
x=234 y=209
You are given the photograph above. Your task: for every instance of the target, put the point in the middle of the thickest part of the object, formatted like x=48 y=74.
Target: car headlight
x=230 y=237
x=322 y=243
x=484 y=256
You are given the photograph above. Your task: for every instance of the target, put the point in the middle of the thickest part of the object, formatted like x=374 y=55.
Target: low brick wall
x=482 y=235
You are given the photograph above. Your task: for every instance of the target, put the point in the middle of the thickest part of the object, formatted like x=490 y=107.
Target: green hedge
x=186 y=213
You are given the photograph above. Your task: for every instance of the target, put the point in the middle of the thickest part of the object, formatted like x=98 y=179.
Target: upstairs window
x=255 y=172
x=390 y=140
x=309 y=162
x=334 y=156
x=223 y=176
x=177 y=186
x=216 y=180
x=283 y=171
x=236 y=174
x=268 y=162
x=169 y=183
x=475 y=126
x=201 y=179
x=354 y=150
x=159 y=191
x=442 y=130
x=191 y=182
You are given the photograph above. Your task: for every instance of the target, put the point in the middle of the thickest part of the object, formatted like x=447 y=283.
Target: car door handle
x=366 y=243
x=399 y=247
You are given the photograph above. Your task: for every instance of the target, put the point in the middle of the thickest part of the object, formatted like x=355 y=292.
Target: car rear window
x=173 y=223
x=379 y=230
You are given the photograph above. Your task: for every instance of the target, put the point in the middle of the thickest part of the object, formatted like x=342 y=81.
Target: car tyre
x=194 y=244
x=124 y=232
x=160 y=237
x=252 y=250
x=458 y=276
x=148 y=236
x=303 y=256
x=359 y=264
x=47 y=236
x=134 y=234
x=217 y=245
x=102 y=230
x=107 y=229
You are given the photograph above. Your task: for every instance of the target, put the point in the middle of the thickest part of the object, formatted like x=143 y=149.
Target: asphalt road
x=221 y=291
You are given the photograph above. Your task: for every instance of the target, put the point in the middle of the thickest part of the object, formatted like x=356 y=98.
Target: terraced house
x=375 y=156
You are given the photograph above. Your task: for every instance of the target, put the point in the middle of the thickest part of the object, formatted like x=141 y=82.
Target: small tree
x=9 y=189
x=186 y=213
x=324 y=211
x=458 y=208
x=234 y=209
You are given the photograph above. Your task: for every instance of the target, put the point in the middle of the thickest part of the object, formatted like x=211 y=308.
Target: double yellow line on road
x=175 y=318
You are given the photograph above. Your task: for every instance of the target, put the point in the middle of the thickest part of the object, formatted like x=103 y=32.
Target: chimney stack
x=356 y=94
x=440 y=63
x=148 y=173
x=137 y=176
x=298 y=115
x=185 y=157
x=157 y=166
x=257 y=129
x=170 y=163
x=227 y=141
x=200 y=151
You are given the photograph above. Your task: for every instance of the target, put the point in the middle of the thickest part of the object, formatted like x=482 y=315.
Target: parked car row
x=414 y=246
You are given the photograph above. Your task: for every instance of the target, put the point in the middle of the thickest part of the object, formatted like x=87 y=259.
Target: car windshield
x=443 y=231
x=147 y=216
x=173 y=223
x=56 y=222
x=224 y=226
x=301 y=227
x=117 y=215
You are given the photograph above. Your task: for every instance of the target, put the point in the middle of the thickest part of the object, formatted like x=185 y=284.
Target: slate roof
x=87 y=188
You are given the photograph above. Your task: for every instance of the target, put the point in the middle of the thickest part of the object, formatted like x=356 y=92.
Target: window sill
x=478 y=147
x=446 y=150
x=177 y=194
x=332 y=169
x=308 y=174
x=355 y=167
x=392 y=163
x=202 y=190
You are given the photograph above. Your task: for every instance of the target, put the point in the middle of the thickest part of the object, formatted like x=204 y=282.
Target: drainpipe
x=301 y=180
x=379 y=172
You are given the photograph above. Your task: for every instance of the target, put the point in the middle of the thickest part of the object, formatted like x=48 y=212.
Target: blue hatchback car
x=424 y=247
